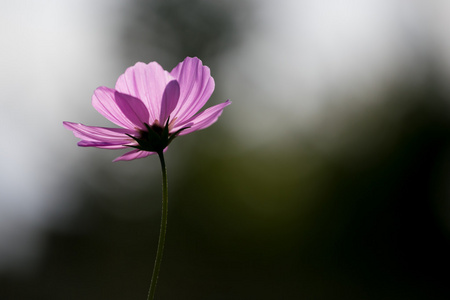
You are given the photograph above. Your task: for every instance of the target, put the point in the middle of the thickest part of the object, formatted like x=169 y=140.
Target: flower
x=153 y=107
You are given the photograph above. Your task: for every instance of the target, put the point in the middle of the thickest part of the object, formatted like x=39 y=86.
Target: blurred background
x=327 y=178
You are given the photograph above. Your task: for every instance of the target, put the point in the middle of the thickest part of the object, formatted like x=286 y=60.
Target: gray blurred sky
x=293 y=56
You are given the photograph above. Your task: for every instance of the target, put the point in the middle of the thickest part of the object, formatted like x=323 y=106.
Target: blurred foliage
x=169 y=30
x=269 y=223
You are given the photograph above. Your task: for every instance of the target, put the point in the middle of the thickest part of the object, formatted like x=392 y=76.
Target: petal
x=147 y=83
x=101 y=145
x=196 y=86
x=169 y=100
x=104 y=101
x=134 y=154
x=133 y=109
x=100 y=137
x=203 y=119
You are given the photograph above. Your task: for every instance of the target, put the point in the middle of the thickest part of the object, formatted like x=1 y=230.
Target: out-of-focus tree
x=169 y=30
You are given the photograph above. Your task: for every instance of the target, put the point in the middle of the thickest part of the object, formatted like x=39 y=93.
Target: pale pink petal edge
x=100 y=137
x=104 y=102
x=203 y=119
x=196 y=87
x=147 y=83
x=134 y=154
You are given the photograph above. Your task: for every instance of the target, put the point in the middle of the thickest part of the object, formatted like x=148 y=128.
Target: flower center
x=156 y=138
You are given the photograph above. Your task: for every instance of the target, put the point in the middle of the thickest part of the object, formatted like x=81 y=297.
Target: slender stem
x=162 y=232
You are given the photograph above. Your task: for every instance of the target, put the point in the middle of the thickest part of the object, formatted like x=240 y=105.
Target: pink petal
x=169 y=100
x=133 y=109
x=104 y=101
x=145 y=82
x=196 y=86
x=134 y=154
x=203 y=119
x=100 y=137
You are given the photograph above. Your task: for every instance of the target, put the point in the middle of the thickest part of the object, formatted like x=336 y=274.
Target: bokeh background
x=327 y=178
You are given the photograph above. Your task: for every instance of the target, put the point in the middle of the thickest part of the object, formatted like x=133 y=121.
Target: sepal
x=155 y=138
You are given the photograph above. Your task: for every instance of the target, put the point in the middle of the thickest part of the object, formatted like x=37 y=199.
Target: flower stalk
x=163 y=228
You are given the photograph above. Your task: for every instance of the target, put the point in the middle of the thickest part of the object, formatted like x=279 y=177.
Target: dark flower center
x=155 y=138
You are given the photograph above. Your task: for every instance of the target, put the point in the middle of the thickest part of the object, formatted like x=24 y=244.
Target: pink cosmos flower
x=152 y=106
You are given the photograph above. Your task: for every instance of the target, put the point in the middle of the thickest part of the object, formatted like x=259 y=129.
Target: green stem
x=162 y=232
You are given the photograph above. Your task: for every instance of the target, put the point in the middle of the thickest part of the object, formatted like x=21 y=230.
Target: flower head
x=153 y=107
